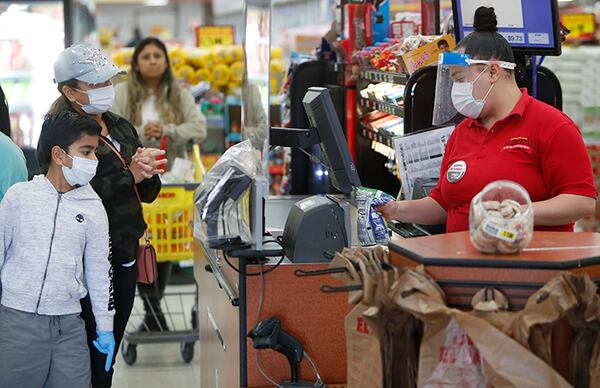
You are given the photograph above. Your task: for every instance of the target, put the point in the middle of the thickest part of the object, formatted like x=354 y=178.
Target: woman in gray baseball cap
x=125 y=177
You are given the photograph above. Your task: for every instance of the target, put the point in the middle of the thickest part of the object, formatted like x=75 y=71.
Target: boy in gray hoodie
x=54 y=250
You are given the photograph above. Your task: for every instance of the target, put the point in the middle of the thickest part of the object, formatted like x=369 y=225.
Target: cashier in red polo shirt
x=507 y=134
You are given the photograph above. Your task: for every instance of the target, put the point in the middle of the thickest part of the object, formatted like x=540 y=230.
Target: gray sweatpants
x=40 y=351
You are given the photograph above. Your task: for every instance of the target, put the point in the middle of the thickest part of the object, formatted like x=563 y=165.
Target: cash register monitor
x=530 y=26
x=323 y=118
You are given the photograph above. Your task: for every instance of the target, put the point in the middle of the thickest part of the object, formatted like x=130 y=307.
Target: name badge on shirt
x=457 y=171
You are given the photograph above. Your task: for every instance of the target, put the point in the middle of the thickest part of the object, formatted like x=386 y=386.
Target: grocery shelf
x=382 y=106
x=383 y=76
x=379 y=137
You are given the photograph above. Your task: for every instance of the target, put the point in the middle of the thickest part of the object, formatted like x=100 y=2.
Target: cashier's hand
x=153 y=130
x=144 y=164
x=389 y=211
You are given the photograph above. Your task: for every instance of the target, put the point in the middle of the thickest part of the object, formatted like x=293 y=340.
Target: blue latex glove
x=105 y=343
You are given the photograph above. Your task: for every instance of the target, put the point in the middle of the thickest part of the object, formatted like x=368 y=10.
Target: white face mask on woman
x=100 y=100
x=81 y=172
x=464 y=101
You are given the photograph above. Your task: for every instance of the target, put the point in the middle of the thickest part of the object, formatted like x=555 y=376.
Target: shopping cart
x=169 y=220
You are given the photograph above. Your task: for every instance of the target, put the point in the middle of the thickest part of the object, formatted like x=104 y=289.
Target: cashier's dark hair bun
x=485 y=42
x=485 y=20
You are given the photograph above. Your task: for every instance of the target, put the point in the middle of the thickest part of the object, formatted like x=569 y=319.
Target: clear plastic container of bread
x=501 y=218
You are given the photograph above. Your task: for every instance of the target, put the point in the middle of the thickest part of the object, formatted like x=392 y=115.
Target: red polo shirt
x=536 y=145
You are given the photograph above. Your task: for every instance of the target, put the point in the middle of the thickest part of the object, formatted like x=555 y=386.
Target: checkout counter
x=314 y=318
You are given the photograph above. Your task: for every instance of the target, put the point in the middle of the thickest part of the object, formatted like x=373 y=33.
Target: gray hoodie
x=54 y=249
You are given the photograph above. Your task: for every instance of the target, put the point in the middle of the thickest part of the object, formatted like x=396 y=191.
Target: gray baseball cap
x=84 y=63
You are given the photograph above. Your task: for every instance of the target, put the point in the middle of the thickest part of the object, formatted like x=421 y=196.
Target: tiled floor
x=158 y=366
x=161 y=365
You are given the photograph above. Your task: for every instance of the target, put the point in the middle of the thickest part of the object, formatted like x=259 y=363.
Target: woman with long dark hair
x=161 y=110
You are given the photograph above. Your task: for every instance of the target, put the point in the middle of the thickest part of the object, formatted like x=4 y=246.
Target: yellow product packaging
x=277 y=66
x=177 y=56
x=275 y=53
x=221 y=55
x=207 y=61
x=123 y=56
x=192 y=78
x=239 y=53
x=427 y=54
x=220 y=75
x=192 y=57
x=274 y=84
x=184 y=71
x=230 y=54
x=237 y=70
x=203 y=74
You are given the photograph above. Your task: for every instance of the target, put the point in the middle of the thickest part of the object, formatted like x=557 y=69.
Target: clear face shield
x=454 y=68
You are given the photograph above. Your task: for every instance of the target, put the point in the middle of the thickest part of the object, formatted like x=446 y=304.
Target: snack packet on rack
x=372 y=228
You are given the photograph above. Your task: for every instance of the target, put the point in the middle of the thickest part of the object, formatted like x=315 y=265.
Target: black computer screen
x=323 y=117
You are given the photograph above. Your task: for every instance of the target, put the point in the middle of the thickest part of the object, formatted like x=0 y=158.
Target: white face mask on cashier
x=464 y=101
x=100 y=100
x=81 y=172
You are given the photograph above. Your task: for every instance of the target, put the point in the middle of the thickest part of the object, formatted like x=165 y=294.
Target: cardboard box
x=428 y=54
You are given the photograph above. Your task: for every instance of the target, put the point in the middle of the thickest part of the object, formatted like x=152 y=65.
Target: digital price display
x=530 y=26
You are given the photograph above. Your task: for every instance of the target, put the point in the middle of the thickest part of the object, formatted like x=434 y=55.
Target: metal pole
x=68 y=22
x=242 y=318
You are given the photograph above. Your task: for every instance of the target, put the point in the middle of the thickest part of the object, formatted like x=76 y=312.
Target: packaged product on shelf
x=387 y=122
x=406 y=56
x=374 y=115
x=395 y=93
x=384 y=58
x=384 y=91
x=220 y=75
x=426 y=54
x=237 y=71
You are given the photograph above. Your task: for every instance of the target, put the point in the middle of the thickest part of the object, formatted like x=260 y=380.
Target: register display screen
x=530 y=26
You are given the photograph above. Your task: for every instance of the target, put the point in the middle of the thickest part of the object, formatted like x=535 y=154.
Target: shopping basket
x=168 y=219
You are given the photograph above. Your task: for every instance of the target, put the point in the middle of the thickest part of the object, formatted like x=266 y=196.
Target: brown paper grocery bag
x=567 y=295
x=363 y=351
x=399 y=333
x=456 y=343
x=350 y=277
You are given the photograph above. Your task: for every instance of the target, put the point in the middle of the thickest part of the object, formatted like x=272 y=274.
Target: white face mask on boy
x=82 y=171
